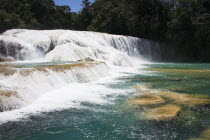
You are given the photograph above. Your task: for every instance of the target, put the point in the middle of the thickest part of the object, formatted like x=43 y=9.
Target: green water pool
x=119 y=120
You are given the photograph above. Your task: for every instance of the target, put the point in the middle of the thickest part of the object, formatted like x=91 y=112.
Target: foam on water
x=37 y=83
x=51 y=90
x=69 y=96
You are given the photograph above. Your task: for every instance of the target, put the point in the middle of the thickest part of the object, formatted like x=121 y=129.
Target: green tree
x=85 y=16
x=9 y=21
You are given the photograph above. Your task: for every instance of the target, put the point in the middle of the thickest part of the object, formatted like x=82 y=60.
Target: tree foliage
x=181 y=24
x=34 y=14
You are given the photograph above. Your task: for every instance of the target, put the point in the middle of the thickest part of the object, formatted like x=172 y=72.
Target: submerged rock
x=153 y=79
x=205 y=135
x=147 y=100
x=190 y=100
x=199 y=139
x=194 y=73
x=164 y=113
x=187 y=71
x=186 y=99
x=179 y=88
x=143 y=88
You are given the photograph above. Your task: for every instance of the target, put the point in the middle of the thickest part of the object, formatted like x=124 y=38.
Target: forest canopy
x=182 y=24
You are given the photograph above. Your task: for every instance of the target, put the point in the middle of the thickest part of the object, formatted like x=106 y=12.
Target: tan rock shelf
x=166 y=112
x=147 y=100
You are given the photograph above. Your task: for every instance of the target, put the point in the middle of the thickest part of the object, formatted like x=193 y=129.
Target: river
x=100 y=110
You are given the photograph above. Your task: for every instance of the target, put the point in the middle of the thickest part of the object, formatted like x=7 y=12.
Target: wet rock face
x=21 y=51
x=11 y=49
x=166 y=112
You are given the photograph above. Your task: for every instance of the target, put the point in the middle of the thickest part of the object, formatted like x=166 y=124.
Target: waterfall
x=67 y=45
x=20 y=89
x=59 y=46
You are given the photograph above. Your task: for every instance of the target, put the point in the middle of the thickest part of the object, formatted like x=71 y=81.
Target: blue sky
x=74 y=4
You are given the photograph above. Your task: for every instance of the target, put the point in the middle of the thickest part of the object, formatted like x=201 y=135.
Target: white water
x=34 y=85
x=68 y=45
x=41 y=91
x=69 y=96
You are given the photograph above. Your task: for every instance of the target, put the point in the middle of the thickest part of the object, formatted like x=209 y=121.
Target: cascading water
x=80 y=85
x=66 y=45
x=57 y=46
x=29 y=84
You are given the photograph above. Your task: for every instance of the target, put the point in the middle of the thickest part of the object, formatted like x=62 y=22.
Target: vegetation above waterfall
x=181 y=24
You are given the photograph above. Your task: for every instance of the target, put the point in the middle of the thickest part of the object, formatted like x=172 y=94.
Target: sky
x=74 y=4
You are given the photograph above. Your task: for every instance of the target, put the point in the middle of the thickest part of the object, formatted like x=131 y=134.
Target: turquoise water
x=42 y=63
x=119 y=120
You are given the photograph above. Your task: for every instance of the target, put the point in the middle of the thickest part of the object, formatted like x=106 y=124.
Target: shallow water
x=35 y=64
x=106 y=115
